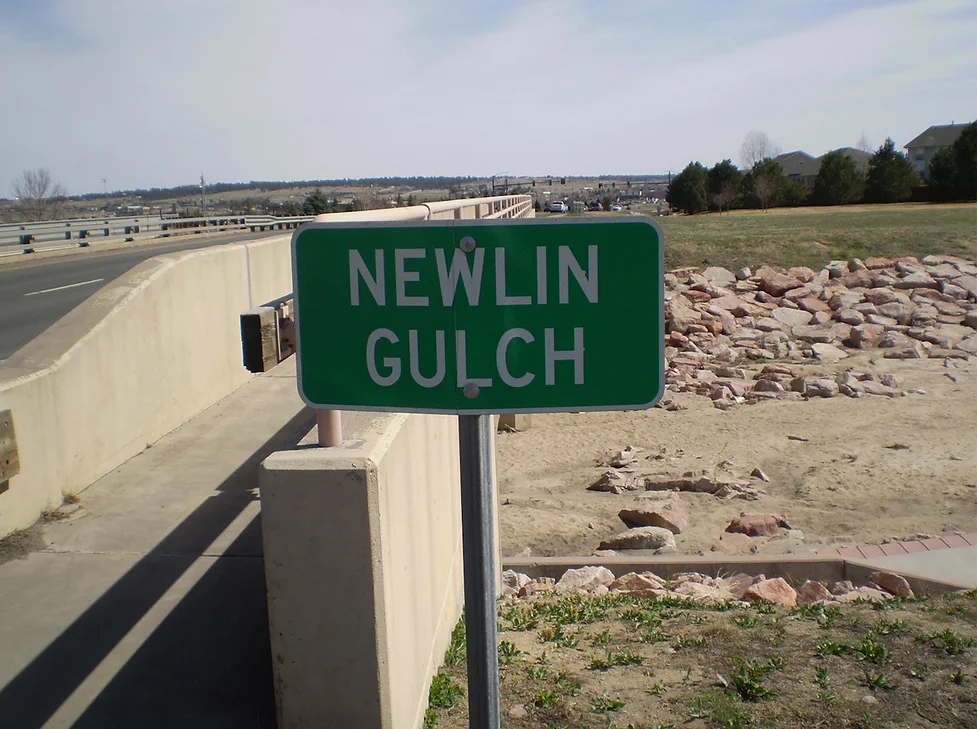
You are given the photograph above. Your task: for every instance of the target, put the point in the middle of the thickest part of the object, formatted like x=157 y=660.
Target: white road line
x=61 y=288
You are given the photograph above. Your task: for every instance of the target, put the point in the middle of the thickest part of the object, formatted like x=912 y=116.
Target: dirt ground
x=866 y=470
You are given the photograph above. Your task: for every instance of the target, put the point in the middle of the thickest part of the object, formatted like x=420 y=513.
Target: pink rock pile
x=910 y=308
x=741 y=587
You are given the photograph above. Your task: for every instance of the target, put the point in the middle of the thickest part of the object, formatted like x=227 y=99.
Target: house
x=799 y=166
x=924 y=147
x=803 y=168
x=859 y=156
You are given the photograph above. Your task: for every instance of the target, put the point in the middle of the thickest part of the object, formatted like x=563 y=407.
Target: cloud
x=154 y=93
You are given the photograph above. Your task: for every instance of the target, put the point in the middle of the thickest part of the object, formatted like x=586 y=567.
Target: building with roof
x=801 y=167
x=923 y=148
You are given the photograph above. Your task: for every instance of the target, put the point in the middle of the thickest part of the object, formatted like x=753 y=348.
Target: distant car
x=616 y=208
x=557 y=206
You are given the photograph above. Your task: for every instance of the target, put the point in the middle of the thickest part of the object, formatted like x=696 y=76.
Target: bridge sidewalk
x=145 y=605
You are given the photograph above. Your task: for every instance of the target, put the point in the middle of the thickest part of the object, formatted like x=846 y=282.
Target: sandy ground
x=871 y=468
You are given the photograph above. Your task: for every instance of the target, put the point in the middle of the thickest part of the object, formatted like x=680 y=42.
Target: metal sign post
x=478 y=542
x=478 y=318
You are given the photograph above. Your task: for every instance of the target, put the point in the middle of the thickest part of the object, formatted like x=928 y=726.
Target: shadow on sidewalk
x=207 y=665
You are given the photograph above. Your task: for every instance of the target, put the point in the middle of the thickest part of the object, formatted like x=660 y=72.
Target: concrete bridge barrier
x=139 y=358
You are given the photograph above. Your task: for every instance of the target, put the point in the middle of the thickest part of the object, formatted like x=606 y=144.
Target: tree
x=315 y=203
x=943 y=174
x=890 y=175
x=723 y=182
x=838 y=182
x=766 y=186
x=965 y=161
x=864 y=144
x=688 y=190
x=39 y=197
x=756 y=148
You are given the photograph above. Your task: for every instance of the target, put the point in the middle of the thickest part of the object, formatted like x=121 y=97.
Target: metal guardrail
x=20 y=238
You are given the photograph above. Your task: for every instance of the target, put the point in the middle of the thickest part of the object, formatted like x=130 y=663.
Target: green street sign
x=468 y=316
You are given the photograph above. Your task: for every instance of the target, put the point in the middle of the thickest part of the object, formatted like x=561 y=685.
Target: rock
x=877 y=388
x=901 y=312
x=891 y=582
x=775 y=591
x=519 y=711
x=738 y=307
x=585 y=578
x=757 y=473
x=791 y=317
x=735 y=543
x=891 y=340
x=813 y=305
x=863 y=593
x=882 y=296
x=624 y=457
x=680 y=315
x=811 y=592
x=821 y=387
x=640 y=584
x=840 y=588
x=616 y=482
x=777 y=284
x=758 y=525
x=814 y=334
x=828 y=353
x=866 y=336
x=667 y=513
x=802 y=273
x=737 y=585
x=849 y=385
x=719 y=276
x=890 y=380
x=743 y=274
x=844 y=299
x=512 y=580
x=769 y=324
x=661 y=540
x=768 y=386
x=837 y=269
x=856 y=264
x=874 y=264
x=917 y=281
x=850 y=316
x=860 y=279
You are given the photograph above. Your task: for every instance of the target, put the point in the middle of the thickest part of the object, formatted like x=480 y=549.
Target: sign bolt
x=471 y=390
x=467 y=244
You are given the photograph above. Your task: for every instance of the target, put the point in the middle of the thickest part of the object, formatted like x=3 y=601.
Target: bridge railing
x=49 y=235
x=20 y=238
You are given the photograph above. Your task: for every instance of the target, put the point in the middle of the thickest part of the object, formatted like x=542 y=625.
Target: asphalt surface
x=34 y=295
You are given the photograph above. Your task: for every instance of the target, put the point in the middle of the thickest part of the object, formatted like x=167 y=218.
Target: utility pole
x=105 y=191
x=203 y=202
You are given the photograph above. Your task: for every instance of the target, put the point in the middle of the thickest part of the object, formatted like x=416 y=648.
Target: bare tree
x=725 y=196
x=756 y=148
x=864 y=144
x=765 y=186
x=39 y=197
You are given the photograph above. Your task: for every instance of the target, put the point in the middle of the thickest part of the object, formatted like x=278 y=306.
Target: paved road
x=34 y=295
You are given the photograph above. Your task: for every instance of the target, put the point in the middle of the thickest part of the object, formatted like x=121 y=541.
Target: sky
x=152 y=93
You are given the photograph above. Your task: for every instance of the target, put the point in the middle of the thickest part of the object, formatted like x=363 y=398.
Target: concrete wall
x=363 y=564
x=142 y=356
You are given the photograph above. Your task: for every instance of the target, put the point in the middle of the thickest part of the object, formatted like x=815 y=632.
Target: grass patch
x=623 y=661
x=814 y=236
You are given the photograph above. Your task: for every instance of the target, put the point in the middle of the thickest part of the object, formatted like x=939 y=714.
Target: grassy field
x=619 y=661
x=813 y=236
